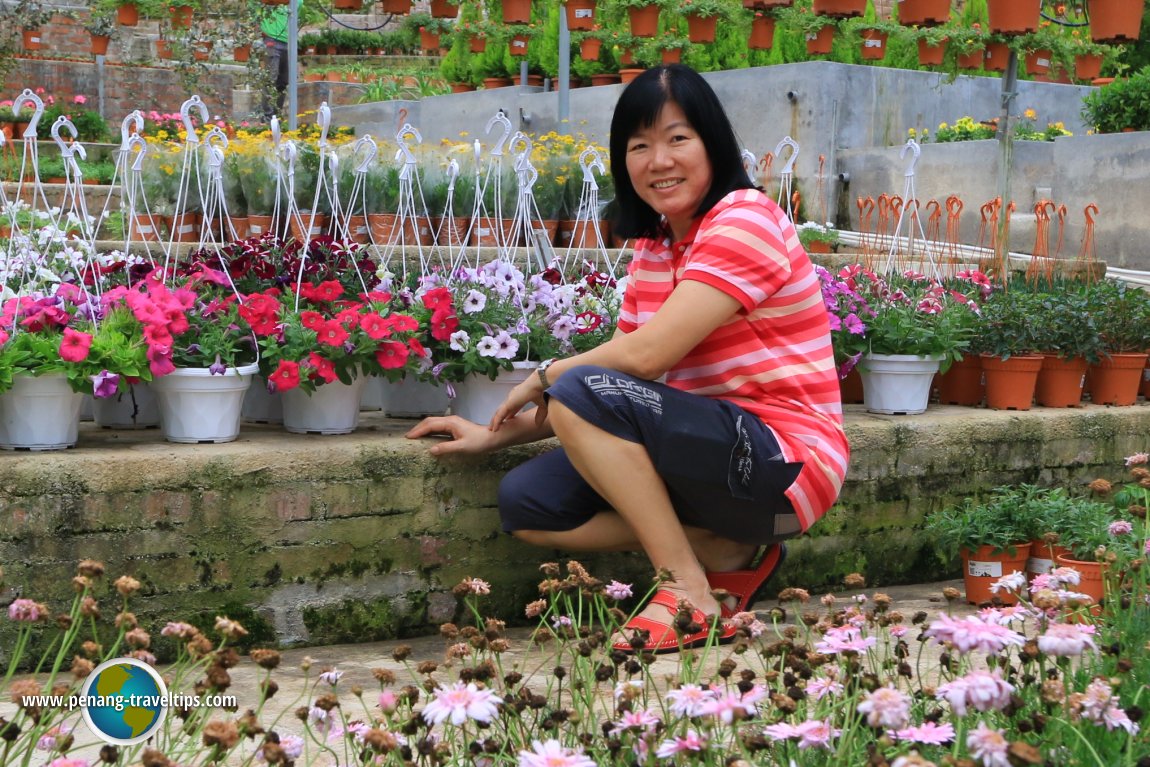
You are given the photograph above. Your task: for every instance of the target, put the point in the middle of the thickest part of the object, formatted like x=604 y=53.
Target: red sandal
x=661 y=637
x=746 y=585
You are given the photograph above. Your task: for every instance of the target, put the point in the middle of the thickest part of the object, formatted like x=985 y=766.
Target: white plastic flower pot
x=196 y=406
x=132 y=407
x=411 y=398
x=478 y=397
x=261 y=405
x=39 y=413
x=374 y=395
x=897 y=384
x=333 y=408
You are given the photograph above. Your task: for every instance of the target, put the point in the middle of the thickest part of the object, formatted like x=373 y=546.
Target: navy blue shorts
x=722 y=465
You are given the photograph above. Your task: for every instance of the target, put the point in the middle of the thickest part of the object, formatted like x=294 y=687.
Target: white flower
x=460 y=341
x=487 y=347
x=474 y=301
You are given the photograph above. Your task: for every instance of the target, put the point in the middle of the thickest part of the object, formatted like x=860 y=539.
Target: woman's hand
x=467 y=438
x=530 y=390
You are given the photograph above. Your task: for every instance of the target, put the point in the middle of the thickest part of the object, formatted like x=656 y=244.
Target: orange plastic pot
x=997 y=57
x=931 y=55
x=1092 y=581
x=972 y=60
x=1010 y=383
x=1115 y=381
x=1013 y=17
x=1087 y=66
x=923 y=13
x=589 y=48
x=873 y=45
x=762 y=33
x=180 y=16
x=820 y=43
x=127 y=15
x=841 y=9
x=701 y=29
x=580 y=15
x=1115 y=21
x=644 y=21
x=983 y=566
x=1060 y=381
x=516 y=11
x=441 y=9
x=962 y=383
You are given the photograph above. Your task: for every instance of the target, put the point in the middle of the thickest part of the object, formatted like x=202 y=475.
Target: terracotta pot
x=962 y=383
x=516 y=11
x=31 y=39
x=1042 y=557
x=1114 y=21
x=1013 y=17
x=820 y=43
x=99 y=45
x=983 y=566
x=346 y=5
x=997 y=57
x=840 y=9
x=671 y=55
x=242 y=53
x=450 y=232
x=145 y=228
x=851 y=388
x=1038 y=62
x=580 y=15
x=701 y=29
x=181 y=16
x=818 y=246
x=396 y=6
x=1116 y=380
x=873 y=45
x=924 y=13
x=626 y=57
x=627 y=75
x=1087 y=66
x=478 y=44
x=535 y=81
x=517 y=45
x=184 y=227
x=260 y=224
x=127 y=15
x=428 y=41
x=296 y=225
x=1060 y=381
x=762 y=33
x=441 y=9
x=972 y=60
x=496 y=82
x=241 y=227
x=605 y=78
x=462 y=87
x=589 y=48
x=1010 y=383
x=1092 y=581
x=931 y=55
x=202 y=51
x=644 y=21
x=163 y=49
x=357 y=230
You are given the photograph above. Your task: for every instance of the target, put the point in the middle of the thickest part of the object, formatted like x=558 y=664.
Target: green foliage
x=1121 y=314
x=1065 y=326
x=1002 y=521
x=1124 y=103
x=1007 y=328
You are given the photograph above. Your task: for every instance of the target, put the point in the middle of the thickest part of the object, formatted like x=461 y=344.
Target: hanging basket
x=478 y=397
x=242 y=53
x=478 y=44
x=397 y=6
x=31 y=39
x=840 y=9
x=589 y=48
x=261 y=405
x=346 y=5
x=1013 y=17
x=132 y=407
x=671 y=56
x=644 y=21
x=701 y=29
x=997 y=57
x=99 y=45
x=762 y=33
x=516 y=11
x=442 y=9
x=923 y=13
x=517 y=45
x=1038 y=62
x=127 y=15
x=972 y=60
x=428 y=41
x=931 y=55
x=1087 y=66
x=409 y=398
x=580 y=15
x=820 y=43
x=873 y=45
x=197 y=406
x=1115 y=21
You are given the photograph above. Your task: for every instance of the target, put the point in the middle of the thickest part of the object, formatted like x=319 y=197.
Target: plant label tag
x=185 y=229
x=872 y=43
x=1145 y=375
x=584 y=13
x=984 y=569
x=256 y=229
x=360 y=230
x=1037 y=565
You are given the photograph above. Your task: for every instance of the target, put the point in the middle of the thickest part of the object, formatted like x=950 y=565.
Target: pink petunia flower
x=75 y=345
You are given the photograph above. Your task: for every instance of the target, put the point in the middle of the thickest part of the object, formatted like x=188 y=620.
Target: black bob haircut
x=638 y=108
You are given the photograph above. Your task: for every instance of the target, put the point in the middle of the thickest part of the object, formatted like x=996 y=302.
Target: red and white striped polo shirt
x=773 y=358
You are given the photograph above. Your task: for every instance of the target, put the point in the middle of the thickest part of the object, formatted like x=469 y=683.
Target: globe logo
x=124 y=701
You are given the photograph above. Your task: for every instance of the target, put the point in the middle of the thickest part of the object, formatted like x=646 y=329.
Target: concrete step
x=305 y=532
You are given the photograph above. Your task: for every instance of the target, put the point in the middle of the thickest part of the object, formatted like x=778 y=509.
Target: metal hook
x=276 y=134
x=501 y=120
x=63 y=122
x=789 y=166
x=137 y=142
x=520 y=146
x=135 y=116
x=749 y=161
x=404 y=149
x=1090 y=208
x=912 y=147
x=590 y=159
x=323 y=118
x=28 y=96
x=186 y=116
x=452 y=174
x=365 y=143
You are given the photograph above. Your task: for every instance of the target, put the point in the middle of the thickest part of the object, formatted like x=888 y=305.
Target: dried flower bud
x=951 y=594
x=127 y=585
x=1101 y=486
x=89 y=568
x=401 y=653
x=224 y=735
x=854 y=581
x=383 y=675
x=266 y=658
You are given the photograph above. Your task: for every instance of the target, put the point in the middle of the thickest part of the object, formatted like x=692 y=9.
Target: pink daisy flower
x=1067 y=639
x=886 y=707
x=552 y=754
x=692 y=741
x=461 y=703
x=988 y=745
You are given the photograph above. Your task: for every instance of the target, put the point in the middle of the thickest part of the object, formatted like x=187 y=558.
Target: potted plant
x=848 y=313
x=100 y=26
x=992 y=538
x=968 y=44
x=31 y=15
x=932 y=44
x=1068 y=340
x=818 y=238
x=916 y=329
x=1007 y=343
x=703 y=15
x=1121 y=314
x=1121 y=105
x=643 y=15
x=817 y=29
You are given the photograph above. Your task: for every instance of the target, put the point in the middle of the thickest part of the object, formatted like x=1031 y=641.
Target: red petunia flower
x=286 y=376
x=75 y=345
x=321 y=368
x=375 y=325
x=332 y=333
x=391 y=355
x=312 y=320
x=443 y=324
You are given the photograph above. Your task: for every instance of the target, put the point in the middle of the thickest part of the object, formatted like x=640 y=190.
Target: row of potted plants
x=314 y=322
x=1008 y=343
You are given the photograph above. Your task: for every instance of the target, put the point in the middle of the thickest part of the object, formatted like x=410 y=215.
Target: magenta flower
x=461 y=703
x=692 y=741
x=75 y=345
x=845 y=639
x=1137 y=458
x=66 y=761
x=105 y=384
x=617 y=590
x=26 y=610
x=552 y=754
x=927 y=733
x=1121 y=527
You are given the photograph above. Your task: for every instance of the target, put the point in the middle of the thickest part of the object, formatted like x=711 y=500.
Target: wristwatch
x=542 y=371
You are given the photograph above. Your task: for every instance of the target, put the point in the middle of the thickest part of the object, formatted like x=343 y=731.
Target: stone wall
x=313 y=539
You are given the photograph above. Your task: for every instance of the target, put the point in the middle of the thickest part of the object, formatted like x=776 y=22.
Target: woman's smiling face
x=669 y=168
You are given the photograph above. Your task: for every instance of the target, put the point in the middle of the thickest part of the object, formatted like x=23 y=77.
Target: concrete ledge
x=334 y=539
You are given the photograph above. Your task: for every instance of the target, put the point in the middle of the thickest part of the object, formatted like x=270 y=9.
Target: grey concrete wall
x=853 y=116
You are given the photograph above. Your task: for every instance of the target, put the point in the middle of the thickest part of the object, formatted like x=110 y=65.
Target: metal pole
x=564 y=70
x=1006 y=157
x=293 y=65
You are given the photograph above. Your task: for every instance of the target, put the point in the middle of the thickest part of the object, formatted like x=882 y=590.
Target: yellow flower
x=911 y=132
x=942 y=126
x=1030 y=114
